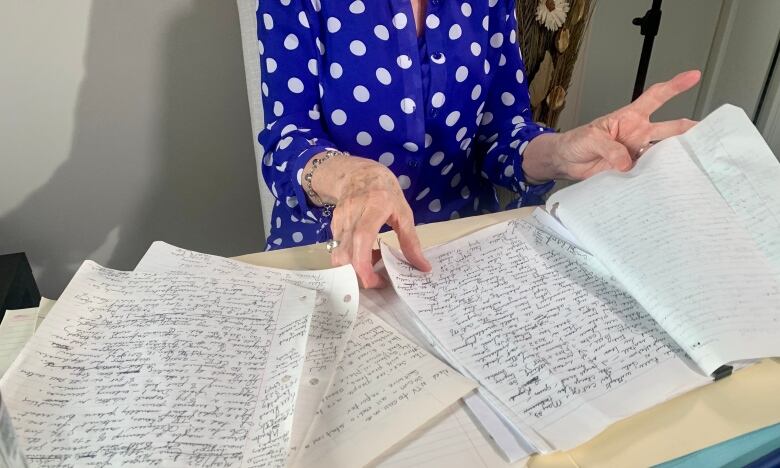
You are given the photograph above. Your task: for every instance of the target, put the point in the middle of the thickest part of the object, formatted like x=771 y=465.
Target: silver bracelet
x=327 y=208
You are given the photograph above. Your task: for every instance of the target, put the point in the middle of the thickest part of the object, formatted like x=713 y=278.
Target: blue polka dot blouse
x=447 y=112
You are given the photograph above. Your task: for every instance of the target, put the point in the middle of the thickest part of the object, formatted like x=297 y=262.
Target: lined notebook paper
x=677 y=247
x=16 y=328
x=742 y=167
x=333 y=318
x=146 y=369
x=350 y=409
x=385 y=388
x=453 y=440
x=386 y=304
x=559 y=346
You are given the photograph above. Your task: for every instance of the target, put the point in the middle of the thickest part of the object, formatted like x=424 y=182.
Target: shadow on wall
x=162 y=145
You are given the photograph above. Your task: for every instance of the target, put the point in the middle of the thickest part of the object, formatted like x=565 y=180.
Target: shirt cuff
x=531 y=194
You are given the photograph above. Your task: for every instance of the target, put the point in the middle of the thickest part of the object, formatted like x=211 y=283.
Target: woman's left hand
x=609 y=142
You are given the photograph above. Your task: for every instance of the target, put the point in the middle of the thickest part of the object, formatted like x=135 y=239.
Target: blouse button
x=438 y=57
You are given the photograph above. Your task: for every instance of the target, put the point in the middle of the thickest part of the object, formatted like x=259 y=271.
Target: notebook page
x=743 y=169
x=386 y=304
x=385 y=388
x=514 y=437
x=332 y=320
x=452 y=441
x=145 y=369
x=673 y=242
x=268 y=444
x=16 y=328
x=564 y=350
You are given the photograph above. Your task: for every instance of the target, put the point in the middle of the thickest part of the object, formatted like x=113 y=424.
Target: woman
x=402 y=111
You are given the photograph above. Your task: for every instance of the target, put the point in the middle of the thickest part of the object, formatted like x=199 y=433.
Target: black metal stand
x=648 y=25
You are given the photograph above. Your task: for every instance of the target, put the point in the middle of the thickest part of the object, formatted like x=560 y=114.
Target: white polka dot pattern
x=347 y=75
x=383 y=76
x=338 y=117
x=357 y=48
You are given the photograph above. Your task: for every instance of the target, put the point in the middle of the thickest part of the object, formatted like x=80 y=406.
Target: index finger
x=660 y=93
x=403 y=226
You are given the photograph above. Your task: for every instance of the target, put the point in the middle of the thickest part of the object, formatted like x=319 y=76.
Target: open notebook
x=674 y=280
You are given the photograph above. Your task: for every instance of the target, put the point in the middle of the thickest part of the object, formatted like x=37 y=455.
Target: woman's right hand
x=367 y=196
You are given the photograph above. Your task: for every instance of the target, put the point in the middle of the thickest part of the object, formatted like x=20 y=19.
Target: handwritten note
x=385 y=388
x=386 y=304
x=564 y=350
x=742 y=167
x=676 y=246
x=161 y=369
x=16 y=328
x=332 y=320
x=270 y=438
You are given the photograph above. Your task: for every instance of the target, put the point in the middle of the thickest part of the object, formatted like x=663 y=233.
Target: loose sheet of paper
x=513 y=437
x=557 y=344
x=453 y=441
x=161 y=369
x=332 y=321
x=547 y=222
x=385 y=388
x=386 y=304
x=667 y=235
x=43 y=310
x=742 y=167
x=16 y=328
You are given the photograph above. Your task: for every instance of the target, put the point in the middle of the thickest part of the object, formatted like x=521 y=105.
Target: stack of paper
x=384 y=388
x=640 y=286
x=196 y=360
x=558 y=350
x=495 y=436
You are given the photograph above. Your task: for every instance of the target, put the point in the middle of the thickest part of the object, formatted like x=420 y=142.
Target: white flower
x=552 y=13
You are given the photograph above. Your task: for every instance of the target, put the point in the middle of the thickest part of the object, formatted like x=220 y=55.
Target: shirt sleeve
x=290 y=56
x=507 y=125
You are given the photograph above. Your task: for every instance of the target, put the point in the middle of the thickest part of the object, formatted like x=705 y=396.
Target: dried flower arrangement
x=551 y=32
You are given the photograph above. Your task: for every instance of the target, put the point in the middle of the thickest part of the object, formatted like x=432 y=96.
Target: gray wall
x=611 y=55
x=123 y=122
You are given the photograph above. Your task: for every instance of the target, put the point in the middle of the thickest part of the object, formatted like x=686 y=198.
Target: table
x=743 y=402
